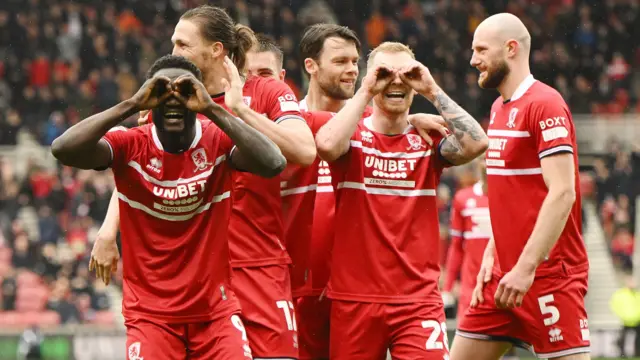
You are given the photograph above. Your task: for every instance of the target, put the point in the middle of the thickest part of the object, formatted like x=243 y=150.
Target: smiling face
x=490 y=58
x=336 y=70
x=172 y=116
x=397 y=97
x=189 y=43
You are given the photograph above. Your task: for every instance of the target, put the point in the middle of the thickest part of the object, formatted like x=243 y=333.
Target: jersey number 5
x=436 y=329
x=547 y=309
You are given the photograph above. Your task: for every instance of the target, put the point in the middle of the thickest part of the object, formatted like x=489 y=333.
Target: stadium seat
x=5 y=255
x=28 y=278
x=9 y=319
x=104 y=318
x=40 y=318
x=31 y=298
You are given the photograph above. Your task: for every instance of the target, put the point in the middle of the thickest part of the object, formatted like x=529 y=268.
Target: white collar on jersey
x=303 y=104
x=368 y=123
x=477 y=188
x=196 y=138
x=523 y=87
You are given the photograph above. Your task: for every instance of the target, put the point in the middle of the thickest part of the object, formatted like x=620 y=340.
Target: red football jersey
x=174 y=213
x=256 y=228
x=386 y=221
x=298 y=191
x=535 y=123
x=470 y=231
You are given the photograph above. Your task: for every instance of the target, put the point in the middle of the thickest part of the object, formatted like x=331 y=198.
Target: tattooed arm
x=468 y=140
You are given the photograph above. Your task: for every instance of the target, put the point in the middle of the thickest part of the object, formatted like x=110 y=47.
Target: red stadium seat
x=104 y=318
x=5 y=255
x=28 y=278
x=9 y=319
x=48 y=318
x=31 y=298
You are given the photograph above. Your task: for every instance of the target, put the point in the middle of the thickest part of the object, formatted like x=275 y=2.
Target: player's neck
x=512 y=81
x=212 y=81
x=177 y=143
x=317 y=100
x=387 y=123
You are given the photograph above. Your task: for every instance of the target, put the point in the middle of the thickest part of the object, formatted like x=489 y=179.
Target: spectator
x=59 y=301
x=625 y=303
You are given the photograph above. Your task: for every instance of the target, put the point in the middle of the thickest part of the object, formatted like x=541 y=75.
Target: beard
x=496 y=76
x=333 y=89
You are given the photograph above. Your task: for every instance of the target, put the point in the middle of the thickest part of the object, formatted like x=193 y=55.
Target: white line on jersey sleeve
x=555 y=150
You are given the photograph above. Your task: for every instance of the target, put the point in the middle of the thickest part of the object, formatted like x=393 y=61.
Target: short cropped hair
x=174 y=62
x=266 y=43
x=389 y=47
x=312 y=42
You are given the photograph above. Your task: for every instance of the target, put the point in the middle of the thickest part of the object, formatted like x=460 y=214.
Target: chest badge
x=512 y=118
x=415 y=142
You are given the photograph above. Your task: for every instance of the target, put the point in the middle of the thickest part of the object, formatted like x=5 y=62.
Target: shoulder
x=542 y=95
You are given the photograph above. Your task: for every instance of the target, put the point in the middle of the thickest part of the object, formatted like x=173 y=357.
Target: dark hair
x=314 y=37
x=174 y=62
x=266 y=43
x=217 y=26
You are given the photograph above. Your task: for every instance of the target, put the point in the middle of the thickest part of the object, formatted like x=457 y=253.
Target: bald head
x=501 y=44
x=502 y=28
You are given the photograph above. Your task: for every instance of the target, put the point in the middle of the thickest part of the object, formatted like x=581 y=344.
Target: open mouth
x=174 y=114
x=395 y=95
x=348 y=82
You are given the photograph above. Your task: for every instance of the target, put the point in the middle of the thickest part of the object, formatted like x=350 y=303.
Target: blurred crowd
x=63 y=60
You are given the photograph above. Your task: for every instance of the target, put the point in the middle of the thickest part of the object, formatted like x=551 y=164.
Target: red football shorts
x=551 y=322
x=224 y=338
x=314 y=314
x=267 y=310
x=366 y=330
x=464 y=300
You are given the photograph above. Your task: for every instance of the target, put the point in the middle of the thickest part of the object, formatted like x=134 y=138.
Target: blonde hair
x=389 y=47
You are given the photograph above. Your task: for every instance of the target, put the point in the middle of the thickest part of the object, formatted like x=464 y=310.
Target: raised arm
x=290 y=133
x=468 y=139
x=254 y=152
x=81 y=146
x=332 y=140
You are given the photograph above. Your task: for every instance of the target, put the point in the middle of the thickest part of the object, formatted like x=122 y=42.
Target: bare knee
x=465 y=348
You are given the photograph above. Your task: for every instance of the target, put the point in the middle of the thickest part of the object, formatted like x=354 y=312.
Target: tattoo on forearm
x=464 y=127
x=458 y=120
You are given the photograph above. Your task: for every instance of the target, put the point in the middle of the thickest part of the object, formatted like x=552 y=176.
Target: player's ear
x=283 y=73
x=217 y=49
x=311 y=66
x=512 y=47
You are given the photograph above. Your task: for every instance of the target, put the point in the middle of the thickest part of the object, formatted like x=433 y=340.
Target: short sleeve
x=279 y=103
x=456 y=222
x=317 y=119
x=551 y=126
x=225 y=146
x=121 y=142
x=438 y=141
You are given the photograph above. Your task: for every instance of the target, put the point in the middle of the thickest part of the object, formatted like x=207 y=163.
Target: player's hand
x=513 y=287
x=484 y=276
x=428 y=122
x=192 y=93
x=105 y=255
x=419 y=78
x=233 y=97
x=153 y=92
x=143 y=117
x=377 y=79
